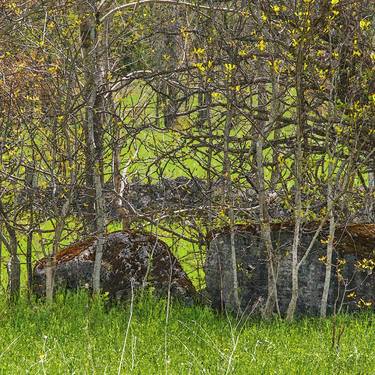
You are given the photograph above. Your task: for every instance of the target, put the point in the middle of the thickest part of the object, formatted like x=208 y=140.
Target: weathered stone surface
x=130 y=260
x=165 y=195
x=353 y=271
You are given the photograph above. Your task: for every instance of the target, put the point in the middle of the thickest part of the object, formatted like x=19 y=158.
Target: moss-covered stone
x=352 y=279
x=131 y=260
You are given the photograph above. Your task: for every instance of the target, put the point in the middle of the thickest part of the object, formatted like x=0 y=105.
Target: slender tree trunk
x=171 y=48
x=119 y=183
x=14 y=268
x=100 y=226
x=92 y=53
x=276 y=108
x=29 y=265
x=327 y=278
x=228 y=196
x=330 y=210
x=209 y=180
x=265 y=226
x=30 y=185
x=51 y=259
x=266 y=234
x=92 y=124
x=50 y=277
x=298 y=179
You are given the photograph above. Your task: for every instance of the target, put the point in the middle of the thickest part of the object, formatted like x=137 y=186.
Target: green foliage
x=78 y=335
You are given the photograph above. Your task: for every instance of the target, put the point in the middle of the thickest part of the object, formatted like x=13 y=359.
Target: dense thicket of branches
x=271 y=101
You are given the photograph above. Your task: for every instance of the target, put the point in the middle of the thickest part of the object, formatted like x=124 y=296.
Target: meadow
x=260 y=97
x=77 y=335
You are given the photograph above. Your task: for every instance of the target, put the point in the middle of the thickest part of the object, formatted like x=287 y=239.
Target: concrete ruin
x=352 y=285
x=131 y=261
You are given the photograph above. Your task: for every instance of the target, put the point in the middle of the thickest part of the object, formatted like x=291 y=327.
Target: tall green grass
x=79 y=336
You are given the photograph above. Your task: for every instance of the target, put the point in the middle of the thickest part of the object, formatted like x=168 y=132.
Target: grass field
x=78 y=336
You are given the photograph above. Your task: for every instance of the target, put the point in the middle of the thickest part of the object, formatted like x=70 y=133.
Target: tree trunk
x=330 y=210
x=297 y=178
x=50 y=277
x=93 y=103
x=29 y=252
x=92 y=53
x=171 y=50
x=327 y=278
x=14 y=268
x=51 y=259
x=30 y=185
x=265 y=227
x=228 y=198
x=266 y=234
x=119 y=183
x=276 y=110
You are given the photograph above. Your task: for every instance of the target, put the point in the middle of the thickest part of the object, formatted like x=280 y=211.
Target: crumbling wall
x=352 y=278
x=130 y=261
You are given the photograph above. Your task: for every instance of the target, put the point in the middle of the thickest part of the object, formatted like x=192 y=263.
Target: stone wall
x=353 y=271
x=131 y=261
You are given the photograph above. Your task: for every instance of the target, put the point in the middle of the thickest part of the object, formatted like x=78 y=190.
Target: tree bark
x=13 y=268
x=330 y=147
x=14 y=265
x=30 y=185
x=297 y=178
x=51 y=259
x=276 y=110
x=93 y=103
x=228 y=198
x=92 y=53
x=327 y=278
x=265 y=227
